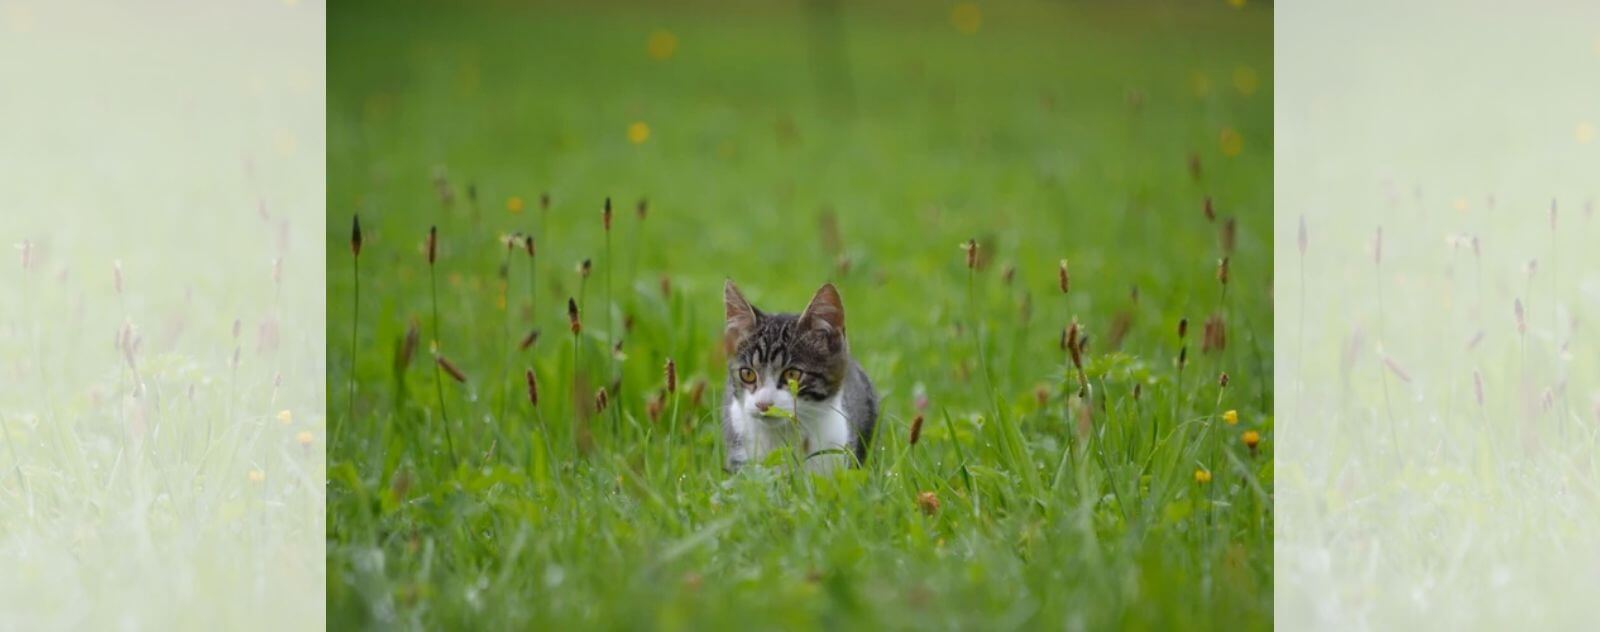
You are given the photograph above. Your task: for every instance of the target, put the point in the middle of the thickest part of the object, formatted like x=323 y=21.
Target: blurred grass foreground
x=1091 y=396
x=161 y=334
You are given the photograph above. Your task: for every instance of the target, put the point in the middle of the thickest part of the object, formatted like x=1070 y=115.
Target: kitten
x=833 y=403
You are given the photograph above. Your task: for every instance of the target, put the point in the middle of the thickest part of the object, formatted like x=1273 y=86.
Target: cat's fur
x=836 y=404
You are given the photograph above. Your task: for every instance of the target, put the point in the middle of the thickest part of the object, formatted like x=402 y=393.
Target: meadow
x=1076 y=427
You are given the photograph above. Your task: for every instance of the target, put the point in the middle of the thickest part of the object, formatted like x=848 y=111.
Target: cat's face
x=768 y=351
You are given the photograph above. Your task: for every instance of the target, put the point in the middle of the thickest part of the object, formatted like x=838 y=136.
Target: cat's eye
x=747 y=376
x=791 y=375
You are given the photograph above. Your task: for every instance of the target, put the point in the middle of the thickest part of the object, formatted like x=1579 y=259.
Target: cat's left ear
x=826 y=311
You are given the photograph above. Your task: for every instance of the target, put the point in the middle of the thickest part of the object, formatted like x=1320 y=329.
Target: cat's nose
x=763 y=406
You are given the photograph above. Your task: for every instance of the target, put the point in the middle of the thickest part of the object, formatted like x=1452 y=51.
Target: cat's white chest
x=822 y=428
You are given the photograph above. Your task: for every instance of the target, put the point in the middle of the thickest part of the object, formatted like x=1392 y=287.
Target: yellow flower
x=1230 y=141
x=1251 y=439
x=1202 y=476
x=304 y=438
x=514 y=204
x=638 y=132
x=285 y=417
x=966 y=17
x=1232 y=417
x=662 y=44
x=257 y=476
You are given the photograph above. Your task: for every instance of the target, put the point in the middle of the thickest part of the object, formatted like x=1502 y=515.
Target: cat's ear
x=741 y=315
x=825 y=312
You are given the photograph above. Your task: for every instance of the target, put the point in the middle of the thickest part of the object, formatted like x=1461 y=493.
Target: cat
x=792 y=382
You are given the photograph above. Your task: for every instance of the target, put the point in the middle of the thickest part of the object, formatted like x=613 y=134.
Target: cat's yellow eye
x=747 y=376
x=791 y=375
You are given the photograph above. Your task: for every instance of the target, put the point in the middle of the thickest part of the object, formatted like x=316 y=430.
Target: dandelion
x=1063 y=278
x=285 y=417
x=928 y=502
x=1202 y=476
x=514 y=205
x=916 y=429
x=303 y=438
x=1251 y=439
x=1231 y=417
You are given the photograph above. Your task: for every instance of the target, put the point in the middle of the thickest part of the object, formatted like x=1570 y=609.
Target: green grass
x=1052 y=132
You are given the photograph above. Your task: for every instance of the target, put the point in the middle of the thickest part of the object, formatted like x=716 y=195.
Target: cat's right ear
x=741 y=315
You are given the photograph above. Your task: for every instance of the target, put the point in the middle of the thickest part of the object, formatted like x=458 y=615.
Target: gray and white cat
x=827 y=415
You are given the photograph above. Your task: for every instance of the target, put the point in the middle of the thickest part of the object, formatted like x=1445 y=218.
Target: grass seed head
x=1209 y=210
x=1183 y=328
x=1063 y=277
x=1522 y=323
x=642 y=208
x=544 y=201
x=1222 y=271
x=605 y=215
x=408 y=346
x=916 y=429
x=971 y=248
x=1222 y=380
x=1138 y=387
x=697 y=391
x=1377 y=247
x=1229 y=233
x=1008 y=273
x=533 y=388
x=1183 y=357
x=528 y=340
x=1477 y=386
x=600 y=400
x=355 y=236
x=433 y=244
x=573 y=322
x=450 y=367
x=585 y=267
x=666 y=286
x=672 y=376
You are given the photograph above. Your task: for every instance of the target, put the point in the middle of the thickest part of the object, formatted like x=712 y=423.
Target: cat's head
x=767 y=351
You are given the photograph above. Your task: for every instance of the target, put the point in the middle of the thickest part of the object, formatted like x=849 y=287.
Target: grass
x=784 y=146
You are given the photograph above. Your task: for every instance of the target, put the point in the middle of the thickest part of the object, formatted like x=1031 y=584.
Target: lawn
x=784 y=145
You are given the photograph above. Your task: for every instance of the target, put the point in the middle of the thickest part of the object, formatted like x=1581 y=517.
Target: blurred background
x=1437 y=360
x=783 y=145
x=161 y=315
